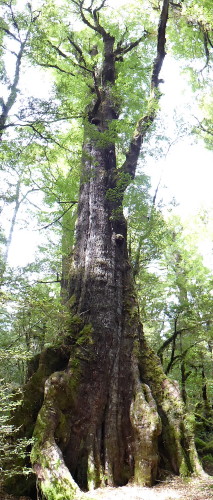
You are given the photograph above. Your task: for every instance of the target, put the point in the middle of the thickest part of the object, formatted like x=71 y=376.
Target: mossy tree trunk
x=109 y=415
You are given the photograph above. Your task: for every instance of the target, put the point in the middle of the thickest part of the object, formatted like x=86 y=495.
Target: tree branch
x=65 y=56
x=84 y=19
x=209 y=40
x=78 y=50
x=146 y=121
x=180 y=356
x=161 y=43
x=15 y=24
x=46 y=282
x=100 y=6
x=170 y=340
x=58 y=218
x=8 y=32
x=96 y=26
x=47 y=138
x=206 y=130
x=176 y=5
x=48 y=65
x=129 y=46
x=60 y=52
x=205 y=43
x=6 y=106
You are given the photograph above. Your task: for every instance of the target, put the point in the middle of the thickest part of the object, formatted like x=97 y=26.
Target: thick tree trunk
x=102 y=297
x=109 y=414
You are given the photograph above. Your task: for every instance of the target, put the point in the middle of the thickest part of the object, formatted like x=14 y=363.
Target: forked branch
x=124 y=49
x=93 y=13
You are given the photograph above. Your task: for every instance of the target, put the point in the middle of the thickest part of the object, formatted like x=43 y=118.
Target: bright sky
x=187 y=168
x=186 y=171
x=188 y=175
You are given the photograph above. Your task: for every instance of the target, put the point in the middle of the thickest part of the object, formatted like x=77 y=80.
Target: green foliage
x=200 y=444
x=204 y=127
x=13 y=450
x=85 y=335
x=176 y=302
x=116 y=194
x=207 y=459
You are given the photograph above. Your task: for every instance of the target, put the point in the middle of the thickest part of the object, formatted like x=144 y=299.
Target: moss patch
x=53 y=490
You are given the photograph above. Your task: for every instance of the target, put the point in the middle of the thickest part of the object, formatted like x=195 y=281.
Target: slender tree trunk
x=13 y=221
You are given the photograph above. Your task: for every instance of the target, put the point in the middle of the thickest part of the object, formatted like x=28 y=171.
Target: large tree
x=99 y=405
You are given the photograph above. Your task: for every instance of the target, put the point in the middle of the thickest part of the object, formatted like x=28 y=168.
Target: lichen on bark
x=53 y=477
x=147 y=426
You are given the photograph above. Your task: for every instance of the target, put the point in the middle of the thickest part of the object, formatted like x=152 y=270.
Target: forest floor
x=174 y=488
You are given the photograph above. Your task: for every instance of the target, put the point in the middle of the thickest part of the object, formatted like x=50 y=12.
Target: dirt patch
x=172 y=489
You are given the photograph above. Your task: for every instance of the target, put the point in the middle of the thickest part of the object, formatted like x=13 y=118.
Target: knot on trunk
x=119 y=238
